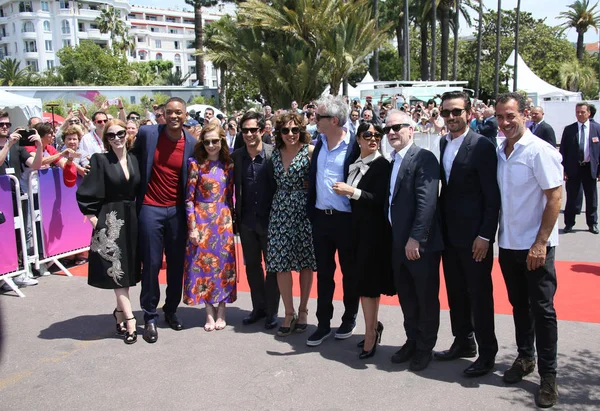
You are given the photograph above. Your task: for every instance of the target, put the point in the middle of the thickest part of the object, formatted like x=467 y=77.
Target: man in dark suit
x=253 y=196
x=416 y=239
x=162 y=152
x=469 y=205
x=540 y=128
x=488 y=127
x=580 y=149
x=334 y=151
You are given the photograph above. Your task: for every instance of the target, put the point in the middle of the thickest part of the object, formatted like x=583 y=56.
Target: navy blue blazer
x=569 y=148
x=144 y=148
x=351 y=155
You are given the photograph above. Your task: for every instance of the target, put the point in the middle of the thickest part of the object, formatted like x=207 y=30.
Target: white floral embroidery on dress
x=104 y=243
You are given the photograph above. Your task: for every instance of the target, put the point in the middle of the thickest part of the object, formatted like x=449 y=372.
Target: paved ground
x=60 y=352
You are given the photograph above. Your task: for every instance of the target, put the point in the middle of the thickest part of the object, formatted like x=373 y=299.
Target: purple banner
x=64 y=227
x=9 y=261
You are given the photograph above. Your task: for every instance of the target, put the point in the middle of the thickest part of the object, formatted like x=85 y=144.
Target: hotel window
x=158 y=44
x=46 y=25
x=30 y=46
x=176 y=45
x=158 y=56
x=64 y=4
x=49 y=64
x=25 y=7
x=28 y=27
x=33 y=65
x=48 y=45
x=177 y=59
x=45 y=6
x=66 y=29
x=66 y=43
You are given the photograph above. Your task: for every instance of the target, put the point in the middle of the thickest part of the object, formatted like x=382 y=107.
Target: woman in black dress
x=366 y=187
x=107 y=198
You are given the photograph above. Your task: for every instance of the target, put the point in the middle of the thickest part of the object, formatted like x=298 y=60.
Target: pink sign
x=9 y=260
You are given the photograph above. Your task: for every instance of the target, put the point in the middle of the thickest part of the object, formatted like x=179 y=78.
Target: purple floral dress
x=209 y=273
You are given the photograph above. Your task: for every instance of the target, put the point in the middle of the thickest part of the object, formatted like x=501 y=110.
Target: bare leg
x=210 y=317
x=220 y=324
x=306 y=279
x=370 y=310
x=284 y=281
x=124 y=305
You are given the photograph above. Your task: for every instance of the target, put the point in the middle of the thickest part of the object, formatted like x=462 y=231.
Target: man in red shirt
x=162 y=151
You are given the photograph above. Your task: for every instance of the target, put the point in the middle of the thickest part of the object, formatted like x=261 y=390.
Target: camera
x=25 y=134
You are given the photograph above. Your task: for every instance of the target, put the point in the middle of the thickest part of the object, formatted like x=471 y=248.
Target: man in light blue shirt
x=334 y=151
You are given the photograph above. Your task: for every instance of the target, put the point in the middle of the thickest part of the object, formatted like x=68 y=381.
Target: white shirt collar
x=368 y=158
x=402 y=153
x=463 y=135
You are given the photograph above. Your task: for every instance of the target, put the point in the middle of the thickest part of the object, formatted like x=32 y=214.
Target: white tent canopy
x=528 y=81
x=19 y=108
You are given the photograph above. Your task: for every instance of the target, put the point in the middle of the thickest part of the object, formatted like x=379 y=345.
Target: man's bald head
x=537 y=114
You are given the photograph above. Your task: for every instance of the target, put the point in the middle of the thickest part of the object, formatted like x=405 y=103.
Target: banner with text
x=9 y=261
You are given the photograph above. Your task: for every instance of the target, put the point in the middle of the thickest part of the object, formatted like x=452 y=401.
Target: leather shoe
x=481 y=366
x=173 y=321
x=420 y=360
x=253 y=317
x=150 y=333
x=594 y=229
x=568 y=229
x=457 y=350
x=271 y=322
x=405 y=353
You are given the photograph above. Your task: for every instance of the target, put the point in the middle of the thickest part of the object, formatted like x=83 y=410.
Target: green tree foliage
x=11 y=73
x=581 y=17
x=110 y=22
x=575 y=76
x=90 y=64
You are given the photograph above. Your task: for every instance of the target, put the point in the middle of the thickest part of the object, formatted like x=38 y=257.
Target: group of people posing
x=299 y=202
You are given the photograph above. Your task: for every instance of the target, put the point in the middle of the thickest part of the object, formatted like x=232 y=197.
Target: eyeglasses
x=231 y=126
x=367 y=135
x=74 y=122
x=5 y=124
x=246 y=130
x=320 y=116
x=286 y=130
x=395 y=127
x=455 y=112
x=134 y=118
x=100 y=121
x=214 y=142
x=118 y=135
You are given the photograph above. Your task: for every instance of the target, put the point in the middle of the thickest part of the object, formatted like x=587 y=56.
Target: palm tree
x=498 y=23
x=11 y=74
x=515 y=66
x=581 y=17
x=376 y=51
x=478 y=61
x=433 y=37
x=577 y=77
x=198 y=4
x=110 y=22
x=456 y=16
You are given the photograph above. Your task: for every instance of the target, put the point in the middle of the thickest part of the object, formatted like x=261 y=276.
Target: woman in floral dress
x=210 y=275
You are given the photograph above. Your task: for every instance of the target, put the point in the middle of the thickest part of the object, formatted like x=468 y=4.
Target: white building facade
x=33 y=31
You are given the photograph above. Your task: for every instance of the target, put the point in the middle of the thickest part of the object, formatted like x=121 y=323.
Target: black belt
x=331 y=211
x=584 y=163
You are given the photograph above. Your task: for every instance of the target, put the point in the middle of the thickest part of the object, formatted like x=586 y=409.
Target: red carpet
x=577 y=298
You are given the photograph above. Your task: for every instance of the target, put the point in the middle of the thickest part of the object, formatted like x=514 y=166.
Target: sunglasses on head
x=286 y=130
x=246 y=130
x=367 y=135
x=213 y=142
x=5 y=124
x=395 y=127
x=320 y=116
x=455 y=112
x=119 y=134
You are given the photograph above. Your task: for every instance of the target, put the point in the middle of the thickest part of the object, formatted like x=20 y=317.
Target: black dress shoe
x=481 y=366
x=150 y=333
x=568 y=229
x=420 y=360
x=173 y=321
x=594 y=229
x=253 y=317
x=457 y=350
x=405 y=353
x=271 y=322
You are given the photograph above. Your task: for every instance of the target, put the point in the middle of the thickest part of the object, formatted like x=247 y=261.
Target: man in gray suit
x=416 y=239
x=254 y=189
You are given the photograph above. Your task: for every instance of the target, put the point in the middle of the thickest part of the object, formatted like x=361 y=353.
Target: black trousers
x=582 y=179
x=161 y=229
x=333 y=233
x=470 y=297
x=264 y=292
x=418 y=286
x=531 y=293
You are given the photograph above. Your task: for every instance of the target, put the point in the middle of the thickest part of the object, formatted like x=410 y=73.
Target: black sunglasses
x=246 y=130
x=119 y=134
x=320 y=116
x=455 y=112
x=134 y=118
x=100 y=121
x=208 y=143
x=286 y=130
x=395 y=127
x=367 y=135
x=5 y=124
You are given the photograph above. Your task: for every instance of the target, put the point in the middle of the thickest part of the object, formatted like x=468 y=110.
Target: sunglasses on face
x=367 y=135
x=119 y=134
x=231 y=126
x=214 y=142
x=320 y=116
x=246 y=130
x=286 y=130
x=455 y=112
x=134 y=118
x=100 y=121
x=395 y=127
x=158 y=115
x=74 y=122
x=5 y=124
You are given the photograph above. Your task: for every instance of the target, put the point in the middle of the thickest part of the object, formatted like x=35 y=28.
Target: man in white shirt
x=91 y=143
x=530 y=179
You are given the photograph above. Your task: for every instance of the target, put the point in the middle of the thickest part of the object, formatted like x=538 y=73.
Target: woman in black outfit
x=367 y=189
x=107 y=198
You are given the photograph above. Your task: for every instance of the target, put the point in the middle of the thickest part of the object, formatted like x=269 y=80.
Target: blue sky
x=548 y=9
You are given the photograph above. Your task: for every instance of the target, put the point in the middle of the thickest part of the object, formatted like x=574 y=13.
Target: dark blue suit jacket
x=144 y=148
x=569 y=148
x=351 y=155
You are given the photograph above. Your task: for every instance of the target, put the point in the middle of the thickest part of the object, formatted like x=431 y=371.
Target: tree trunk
x=199 y=43
x=433 y=38
x=376 y=51
x=580 y=46
x=498 y=23
x=223 y=94
x=456 y=27
x=424 y=49
x=515 y=67
x=345 y=87
x=406 y=41
x=478 y=62
x=445 y=47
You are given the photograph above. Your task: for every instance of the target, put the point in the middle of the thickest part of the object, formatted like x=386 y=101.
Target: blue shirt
x=330 y=170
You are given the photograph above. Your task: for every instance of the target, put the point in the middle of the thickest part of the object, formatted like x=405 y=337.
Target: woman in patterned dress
x=210 y=275
x=290 y=246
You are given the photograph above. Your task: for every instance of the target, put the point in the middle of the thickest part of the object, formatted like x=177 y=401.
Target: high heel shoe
x=121 y=329
x=368 y=354
x=130 y=338
x=300 y=328
x=379 y=331
x=285 y=331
